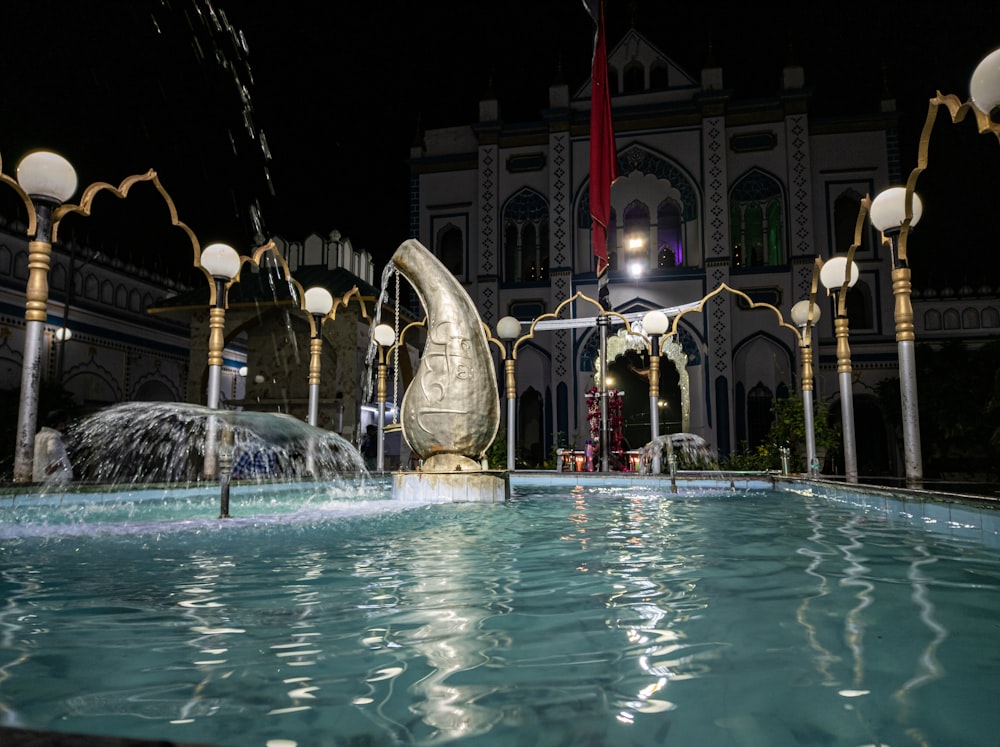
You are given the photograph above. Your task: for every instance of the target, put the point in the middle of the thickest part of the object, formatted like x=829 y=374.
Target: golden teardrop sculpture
x=451 y=410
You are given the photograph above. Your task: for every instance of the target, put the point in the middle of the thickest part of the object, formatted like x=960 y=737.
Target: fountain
x=584 y=614
x=164 y=442
x=451 y=410
x=679 y=451
x=802 y=616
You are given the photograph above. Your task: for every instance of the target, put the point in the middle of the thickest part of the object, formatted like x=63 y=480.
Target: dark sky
x=339 y=89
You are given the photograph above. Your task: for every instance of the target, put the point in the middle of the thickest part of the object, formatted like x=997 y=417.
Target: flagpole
x=603 y=153
x=603 y=171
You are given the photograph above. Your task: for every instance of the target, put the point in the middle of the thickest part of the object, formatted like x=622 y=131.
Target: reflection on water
x=595 y=617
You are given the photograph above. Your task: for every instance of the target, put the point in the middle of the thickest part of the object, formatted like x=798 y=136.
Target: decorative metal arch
x=753 y=305
x=957 y=110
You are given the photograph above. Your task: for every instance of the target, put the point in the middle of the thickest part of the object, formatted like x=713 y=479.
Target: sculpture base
x=451 y=487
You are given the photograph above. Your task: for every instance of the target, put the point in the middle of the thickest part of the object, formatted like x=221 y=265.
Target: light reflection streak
x=441 y=611
x=927 y=664
x=579 y=520
x=823 y=658
x=201 y=597
x=13 y=620
x=663 y=655
x=854 y=576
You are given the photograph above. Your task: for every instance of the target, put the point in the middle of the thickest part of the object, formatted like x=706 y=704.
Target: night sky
x=302 y=114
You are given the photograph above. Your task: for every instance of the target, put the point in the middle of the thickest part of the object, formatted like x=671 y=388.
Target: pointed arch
x=757 y=220
x=671 y=198
x=451 y=248
x=525 y=219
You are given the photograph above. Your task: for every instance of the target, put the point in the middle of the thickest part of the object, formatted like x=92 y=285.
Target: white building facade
x=711 y=191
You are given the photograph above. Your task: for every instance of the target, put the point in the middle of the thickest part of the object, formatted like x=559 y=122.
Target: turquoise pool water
x=571 y=616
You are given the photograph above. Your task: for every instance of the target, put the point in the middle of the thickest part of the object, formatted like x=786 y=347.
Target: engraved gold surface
x=451 y=410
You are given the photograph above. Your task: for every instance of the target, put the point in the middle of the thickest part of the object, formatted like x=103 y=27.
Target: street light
x=318 y=303
x=888 y=214
x=834 y=277
x=508 y=330
x=654 y=324
x=385 y=337
x=984 y=89
x=899 y=210
x=222 y=264
x=805 y=315
x=49 y=180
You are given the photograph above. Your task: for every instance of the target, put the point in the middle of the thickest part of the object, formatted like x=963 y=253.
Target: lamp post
x=603 y=322
x=385 y=337
x=508 y=330
x=49 y=180
x=654 y=324
x=899 y=209
x=222 y=264
x=888 y=214
x=835 y=278
x=318 y=303
x=805 y=314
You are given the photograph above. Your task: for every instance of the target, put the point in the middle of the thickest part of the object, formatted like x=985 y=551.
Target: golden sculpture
x=451 y=411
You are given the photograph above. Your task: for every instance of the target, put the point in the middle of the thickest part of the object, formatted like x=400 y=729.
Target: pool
x=570 y=615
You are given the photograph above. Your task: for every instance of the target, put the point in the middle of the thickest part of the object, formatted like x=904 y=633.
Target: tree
x=788 y=429
x=958 y=390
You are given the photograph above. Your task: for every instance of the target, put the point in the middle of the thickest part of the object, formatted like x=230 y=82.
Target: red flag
x=603 y=156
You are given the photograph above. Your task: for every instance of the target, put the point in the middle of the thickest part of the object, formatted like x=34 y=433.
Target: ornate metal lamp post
x=835 y=278
x=318 y=303
x=385 y=337
x=805 y=314
x=508 y=330
x=654 y=324
x=222 y=264
x=888 y=213
x=896 y=210
x=49 y=180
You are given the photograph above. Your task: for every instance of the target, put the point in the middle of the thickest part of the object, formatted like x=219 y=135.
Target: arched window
x=450 y=250
x=57 y=278
x=634 y=78
x=636 y=226
x=758 y=414
x=753 y=230
x=92 y=288
x=669 y=234
x=846 y=208
x=757 y=222
x=952 y=319
x=773 y=244
x=860 y=314
x=529 y=252
x=510 y=254
x=659 y=75
x=526 y=237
